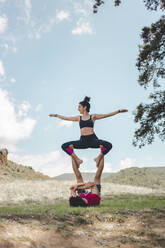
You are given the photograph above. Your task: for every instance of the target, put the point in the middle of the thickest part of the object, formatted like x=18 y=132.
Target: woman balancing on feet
x=88 y=138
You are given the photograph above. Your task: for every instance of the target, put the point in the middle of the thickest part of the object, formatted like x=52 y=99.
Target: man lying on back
x=79 y=196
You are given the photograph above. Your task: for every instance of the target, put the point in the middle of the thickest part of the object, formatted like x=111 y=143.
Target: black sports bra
x=86 y=123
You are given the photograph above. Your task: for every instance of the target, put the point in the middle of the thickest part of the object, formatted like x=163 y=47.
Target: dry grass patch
x=48 y=191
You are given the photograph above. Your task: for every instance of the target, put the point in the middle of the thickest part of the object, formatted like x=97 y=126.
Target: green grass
x=148 y=211
x=133 y=202
x=62 y=210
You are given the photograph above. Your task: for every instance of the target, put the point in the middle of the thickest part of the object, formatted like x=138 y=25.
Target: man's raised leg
x=74 y=156
x=100 y=157
x=100 y=167
x=77 y=172
x=97 y=179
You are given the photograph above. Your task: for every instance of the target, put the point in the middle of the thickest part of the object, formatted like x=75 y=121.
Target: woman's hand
x=53 y=115
x=123 y=110
x=73 y=194
x=90 y=184
x=73 y=187
x=80 y=184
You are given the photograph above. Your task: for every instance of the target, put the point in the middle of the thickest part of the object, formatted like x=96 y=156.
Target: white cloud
x=91 y=166
x=65 y=123
x=51 y=163
x=2 y=1
x=127 y=163
x=88 y=3
x=83 y=7
x=47 y=128
x=36 y=31
x=2 y=70
x=12 y=128
x=107 y=167
x=79 y=9
x=62 y=15
x=3 y=23
x=24 y=108
x=27 y=7
x=38 y=107
x=13 y=80
x=38 y=36
x=55 y=163
x=82 y=28
x=14 y=49
x=7 y=47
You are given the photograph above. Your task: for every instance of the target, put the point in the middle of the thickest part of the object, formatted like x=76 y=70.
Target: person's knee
x=63 y=147
x=109 y=146
x=71 y=146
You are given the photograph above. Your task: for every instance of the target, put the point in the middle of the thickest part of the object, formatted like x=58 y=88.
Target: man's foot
x=78 y=162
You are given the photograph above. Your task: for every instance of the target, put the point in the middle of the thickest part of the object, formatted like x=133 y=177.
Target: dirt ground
x=126 y=230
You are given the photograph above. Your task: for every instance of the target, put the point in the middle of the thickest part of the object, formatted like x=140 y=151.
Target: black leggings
x=88 y=141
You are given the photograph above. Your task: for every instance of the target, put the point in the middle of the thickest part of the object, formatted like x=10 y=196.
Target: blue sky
x=52 y=54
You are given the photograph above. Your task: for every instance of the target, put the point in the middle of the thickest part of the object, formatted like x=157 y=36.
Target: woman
x=88 y=138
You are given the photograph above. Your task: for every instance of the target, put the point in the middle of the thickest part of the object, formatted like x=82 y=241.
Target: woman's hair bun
x=87 y=99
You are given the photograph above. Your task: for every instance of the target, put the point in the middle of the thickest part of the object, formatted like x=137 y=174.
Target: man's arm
x=101 y=116
x=66 y=118
x=76 y=186
x=87 y=185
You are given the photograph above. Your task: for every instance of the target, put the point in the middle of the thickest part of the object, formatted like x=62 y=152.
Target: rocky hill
x=11 y=170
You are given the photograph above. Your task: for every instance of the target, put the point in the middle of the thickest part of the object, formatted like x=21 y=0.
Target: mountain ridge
x=153 y=177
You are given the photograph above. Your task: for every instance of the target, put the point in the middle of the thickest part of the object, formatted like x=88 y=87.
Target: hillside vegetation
x=150 y=177
x=145 y=177
x=87 y=176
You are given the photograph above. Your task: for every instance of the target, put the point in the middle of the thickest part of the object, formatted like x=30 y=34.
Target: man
x=78 y=194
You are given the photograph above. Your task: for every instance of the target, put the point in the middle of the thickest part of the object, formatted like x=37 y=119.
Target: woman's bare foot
x=77 y=160
x=97 y=160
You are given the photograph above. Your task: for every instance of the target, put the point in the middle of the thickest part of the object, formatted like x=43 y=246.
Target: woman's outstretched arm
x=70 y=118
x=101 y=116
